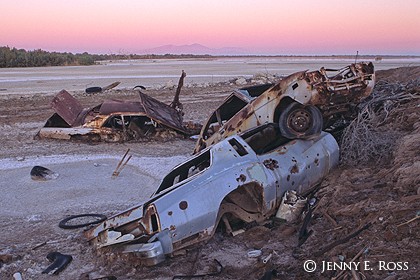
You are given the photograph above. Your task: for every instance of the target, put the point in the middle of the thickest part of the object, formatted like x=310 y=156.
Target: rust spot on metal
x=172 y=227
x=241 y=178
x=183 y=205
x=295 y=169
x=244 y=113
x=316 y=161
x=271 y=164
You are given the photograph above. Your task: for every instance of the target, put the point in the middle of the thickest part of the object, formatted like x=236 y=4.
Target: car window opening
x=225 y=112
x=238 y=147
x=255 y=91
x=183 y=172
x=265 y=139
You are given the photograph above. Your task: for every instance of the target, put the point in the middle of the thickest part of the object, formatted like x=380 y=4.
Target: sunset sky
x=259 y=26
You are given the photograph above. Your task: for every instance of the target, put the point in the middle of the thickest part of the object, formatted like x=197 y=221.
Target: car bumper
x=149 y=253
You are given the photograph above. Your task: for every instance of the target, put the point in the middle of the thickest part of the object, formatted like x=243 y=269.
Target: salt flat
x=156 y=73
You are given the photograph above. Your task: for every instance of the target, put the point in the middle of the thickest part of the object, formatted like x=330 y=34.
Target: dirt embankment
x=368 y=208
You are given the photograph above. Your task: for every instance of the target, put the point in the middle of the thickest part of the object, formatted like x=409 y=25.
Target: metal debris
x=254 y=254
x=114 y=120
x=291 y=206
x=121 y=165
x=301 y=104
x=60 y=262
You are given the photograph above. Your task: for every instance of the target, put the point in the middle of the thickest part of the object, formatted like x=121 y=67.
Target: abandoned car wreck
x=239 y=180
x=302 y=104
x=112 y=120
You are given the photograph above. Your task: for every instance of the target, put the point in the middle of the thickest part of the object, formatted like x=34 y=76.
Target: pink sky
x=259 y=26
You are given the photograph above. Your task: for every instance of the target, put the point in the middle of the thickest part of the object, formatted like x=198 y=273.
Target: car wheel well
x=245 y=204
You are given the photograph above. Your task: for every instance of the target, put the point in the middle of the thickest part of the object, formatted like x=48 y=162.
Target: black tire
x=298 y=121
x=93 y=89
x=63 y=223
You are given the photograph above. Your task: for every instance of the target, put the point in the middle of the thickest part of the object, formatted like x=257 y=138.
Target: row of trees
x=12 y=57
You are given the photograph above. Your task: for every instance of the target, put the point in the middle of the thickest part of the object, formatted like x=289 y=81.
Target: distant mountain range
x=193 y=49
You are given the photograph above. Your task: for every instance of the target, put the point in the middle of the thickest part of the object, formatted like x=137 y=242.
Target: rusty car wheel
x=300 y=122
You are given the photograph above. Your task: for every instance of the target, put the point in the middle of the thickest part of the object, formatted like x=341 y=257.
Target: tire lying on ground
x=93 y=90
x=40 y=173
x=67 y=224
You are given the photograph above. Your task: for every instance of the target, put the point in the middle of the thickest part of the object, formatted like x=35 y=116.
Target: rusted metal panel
x=67 y=107
x=162 y=113
x=113 y=106
x=112 y=120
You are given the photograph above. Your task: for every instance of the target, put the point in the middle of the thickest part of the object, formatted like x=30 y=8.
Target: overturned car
x=241 y=179
x=112 y=120
x=302 y=104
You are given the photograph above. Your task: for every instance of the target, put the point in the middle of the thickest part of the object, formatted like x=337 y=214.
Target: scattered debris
x=304 y=234
x=291 y=207
x=302 y=104
x=355 y=258
x=86 y=221
x=121 y=165
x=60 y=262
x=40 y=173
x=17 y=276
x=411 y=220
x=267 y=259
x=176 y=104
x=100 y=89
x=254 y=254
x=187 y=197
x=115 y=120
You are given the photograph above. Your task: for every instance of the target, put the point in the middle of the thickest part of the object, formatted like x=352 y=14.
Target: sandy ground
x=31 y=210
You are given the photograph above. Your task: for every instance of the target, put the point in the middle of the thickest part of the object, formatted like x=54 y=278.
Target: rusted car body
x=302 y=104
x=111 y=121
x=239 y=180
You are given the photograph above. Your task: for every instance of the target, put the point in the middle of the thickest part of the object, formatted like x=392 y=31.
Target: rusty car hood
x=67 y=107
x=162 y=113
x=72 y=112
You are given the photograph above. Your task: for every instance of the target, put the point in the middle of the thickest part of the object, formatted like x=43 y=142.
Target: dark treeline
x=12 y=57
